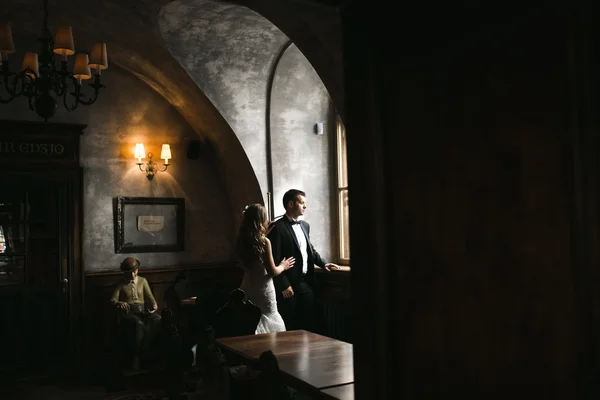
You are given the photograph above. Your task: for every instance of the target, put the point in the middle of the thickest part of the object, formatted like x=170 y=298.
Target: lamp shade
x=139 y=151
x=7 y=45
x=30 y=65
x=166 y=153
x=63 y=44
x=99 y=57
x=81 y=70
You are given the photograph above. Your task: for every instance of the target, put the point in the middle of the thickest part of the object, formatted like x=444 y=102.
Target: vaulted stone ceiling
x=131 y=30
x=130 y=27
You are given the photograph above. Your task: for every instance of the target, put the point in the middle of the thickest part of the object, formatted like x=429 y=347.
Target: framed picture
x=149 y=224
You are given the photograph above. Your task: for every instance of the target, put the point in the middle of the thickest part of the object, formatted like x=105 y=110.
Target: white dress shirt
x=302 y=243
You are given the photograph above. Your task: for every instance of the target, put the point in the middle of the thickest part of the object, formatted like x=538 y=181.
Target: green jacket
x=123 y=291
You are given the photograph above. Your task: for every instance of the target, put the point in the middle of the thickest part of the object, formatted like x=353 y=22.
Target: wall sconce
x=151 y=168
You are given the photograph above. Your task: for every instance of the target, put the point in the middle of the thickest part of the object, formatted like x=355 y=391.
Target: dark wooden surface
x=333 y=285
x=475 y=284
x=309 y=361
x=344 y=392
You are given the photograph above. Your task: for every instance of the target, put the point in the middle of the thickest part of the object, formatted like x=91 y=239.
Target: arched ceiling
x=130 y=29
x=315 y=28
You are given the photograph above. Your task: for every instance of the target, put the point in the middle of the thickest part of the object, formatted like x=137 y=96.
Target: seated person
x=130 y=296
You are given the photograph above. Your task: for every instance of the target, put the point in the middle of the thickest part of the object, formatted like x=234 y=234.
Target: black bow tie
x=294 y=222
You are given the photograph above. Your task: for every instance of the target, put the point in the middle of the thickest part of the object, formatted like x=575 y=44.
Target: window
x=342 y=194
x=2 y=240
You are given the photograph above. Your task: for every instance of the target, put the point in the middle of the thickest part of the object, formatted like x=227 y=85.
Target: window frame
x=341 y=172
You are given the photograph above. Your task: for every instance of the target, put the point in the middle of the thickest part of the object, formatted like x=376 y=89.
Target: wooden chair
x=268 y=383
x=238 y=317
x=259 y=380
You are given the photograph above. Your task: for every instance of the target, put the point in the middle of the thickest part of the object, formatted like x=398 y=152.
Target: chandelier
x=41 y=81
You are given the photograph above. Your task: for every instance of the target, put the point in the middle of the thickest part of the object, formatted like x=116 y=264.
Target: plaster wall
x=128 y=112
x=301 y=157
x=231 y=52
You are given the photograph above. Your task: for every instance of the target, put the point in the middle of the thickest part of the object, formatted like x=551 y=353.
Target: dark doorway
x=40 y=256
x=34 y=273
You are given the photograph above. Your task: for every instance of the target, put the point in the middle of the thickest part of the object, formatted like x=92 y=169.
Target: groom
x=290 y=237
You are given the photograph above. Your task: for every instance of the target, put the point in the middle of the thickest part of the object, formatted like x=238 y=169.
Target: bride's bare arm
x=284 y=265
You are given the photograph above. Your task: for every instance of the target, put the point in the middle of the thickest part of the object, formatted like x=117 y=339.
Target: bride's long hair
x=251 y=240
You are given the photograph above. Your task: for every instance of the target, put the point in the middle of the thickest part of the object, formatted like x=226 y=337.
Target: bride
x=256 y=255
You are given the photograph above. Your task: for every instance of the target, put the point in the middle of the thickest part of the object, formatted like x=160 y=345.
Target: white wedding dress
x=259 y=289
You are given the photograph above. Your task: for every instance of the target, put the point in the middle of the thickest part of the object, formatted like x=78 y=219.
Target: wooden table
x=309 y=362
x=344 y=392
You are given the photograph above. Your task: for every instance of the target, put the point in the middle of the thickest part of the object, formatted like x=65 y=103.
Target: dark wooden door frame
x=67 y=169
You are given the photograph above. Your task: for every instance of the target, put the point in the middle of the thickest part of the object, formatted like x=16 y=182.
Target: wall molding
x=167 y=269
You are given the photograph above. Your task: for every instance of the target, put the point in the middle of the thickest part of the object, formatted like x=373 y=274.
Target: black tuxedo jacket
x=285 y=244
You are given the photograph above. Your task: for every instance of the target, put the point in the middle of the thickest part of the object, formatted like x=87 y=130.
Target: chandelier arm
x=30 y=90
x=30 y=98
x=11 y=88
x=60 y=84
x=6 y=75
x=12 y=93
x=97 y=85
x=25 y=83
x=59 y=88
x=90 y=101
x=75 y=102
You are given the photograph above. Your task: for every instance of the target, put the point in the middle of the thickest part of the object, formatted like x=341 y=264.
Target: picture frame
x=149 y=224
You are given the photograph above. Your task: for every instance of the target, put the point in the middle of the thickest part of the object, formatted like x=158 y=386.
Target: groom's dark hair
x=291 y=195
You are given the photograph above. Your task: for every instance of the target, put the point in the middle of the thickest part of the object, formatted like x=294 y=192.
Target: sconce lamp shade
x=166 y=153
x=30 y=61
x=99 y=57
x=63 y=44
x=139 y=151
x=7 y=45
x=82 y=69
x=151 y=168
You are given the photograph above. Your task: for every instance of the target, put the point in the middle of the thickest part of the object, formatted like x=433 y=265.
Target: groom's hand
x=287 y=293
x=330 y=266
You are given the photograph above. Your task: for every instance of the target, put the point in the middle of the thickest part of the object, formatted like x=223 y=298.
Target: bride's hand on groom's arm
x=287 y=263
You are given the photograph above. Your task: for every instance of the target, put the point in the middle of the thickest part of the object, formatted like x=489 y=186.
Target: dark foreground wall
x=467 y=211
